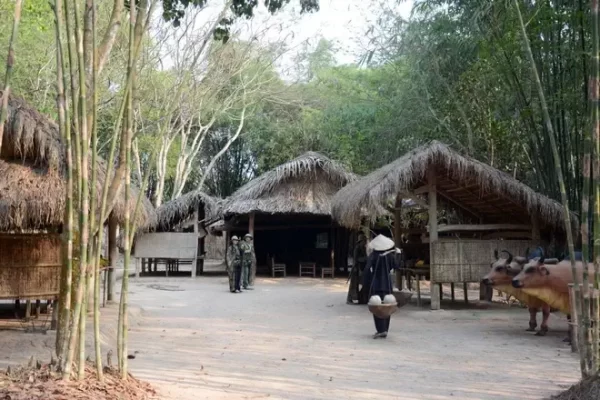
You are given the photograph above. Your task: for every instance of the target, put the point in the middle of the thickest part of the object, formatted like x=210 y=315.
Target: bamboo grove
x=86 y=210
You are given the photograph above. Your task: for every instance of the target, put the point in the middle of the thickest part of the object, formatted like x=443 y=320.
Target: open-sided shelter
x=32 y=204
x=178 y=236
x=288 y=211
x=495 y=211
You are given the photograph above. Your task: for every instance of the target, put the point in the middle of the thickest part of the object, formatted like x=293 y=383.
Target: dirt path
x=297 y=339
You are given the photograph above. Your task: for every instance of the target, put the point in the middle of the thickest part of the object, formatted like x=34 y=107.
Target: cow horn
x=510 y=256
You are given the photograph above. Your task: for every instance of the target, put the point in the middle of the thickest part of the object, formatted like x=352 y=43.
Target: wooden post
x=113 y=257
x=398 y=233
x=251 y=224
x=452 y=291
x=54 y=318
x=137 y=267
x=433 y=233
x=196 y=230
x=38 y=308
x=332 y=245
x=28 y=309
x=465 y=288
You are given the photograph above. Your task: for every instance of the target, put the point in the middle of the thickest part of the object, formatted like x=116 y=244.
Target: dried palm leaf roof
x=484 y=190
x=304 y=185
x=181 y=209
x=32 y=171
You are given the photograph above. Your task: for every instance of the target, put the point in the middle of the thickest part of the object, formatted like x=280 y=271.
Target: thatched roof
x=304 y=185
x=490 y=193
x=178 y=211
x=32 y=171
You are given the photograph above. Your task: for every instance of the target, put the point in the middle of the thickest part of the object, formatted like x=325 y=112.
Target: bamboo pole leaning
x=559 y=173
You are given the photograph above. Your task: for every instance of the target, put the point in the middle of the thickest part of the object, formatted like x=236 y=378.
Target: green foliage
x=174 y=10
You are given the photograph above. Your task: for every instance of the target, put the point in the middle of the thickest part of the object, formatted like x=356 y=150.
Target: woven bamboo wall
x=29 y=266
x=454 y=260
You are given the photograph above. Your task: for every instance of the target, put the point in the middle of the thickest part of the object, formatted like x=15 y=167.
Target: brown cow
x=503 y=270
x=550 y=282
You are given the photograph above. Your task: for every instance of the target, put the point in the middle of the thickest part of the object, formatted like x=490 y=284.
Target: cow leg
x=545 y=316
x=569 y=331
x=532 y=319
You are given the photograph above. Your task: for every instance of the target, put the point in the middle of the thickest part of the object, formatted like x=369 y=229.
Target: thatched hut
x=178 y=235
x=288 y=211
x=32 y=204
x=490 y=209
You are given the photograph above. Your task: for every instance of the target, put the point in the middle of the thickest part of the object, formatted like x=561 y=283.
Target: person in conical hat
x=376 y=277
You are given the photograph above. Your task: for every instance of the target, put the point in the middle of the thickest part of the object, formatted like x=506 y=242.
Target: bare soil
x=296 y=338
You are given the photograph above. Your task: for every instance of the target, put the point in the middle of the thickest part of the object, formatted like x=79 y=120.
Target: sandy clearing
x=297 y=339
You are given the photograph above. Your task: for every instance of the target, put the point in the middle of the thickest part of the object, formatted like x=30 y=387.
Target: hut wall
x=469 y=260
x=30 y=266
x=215 y=247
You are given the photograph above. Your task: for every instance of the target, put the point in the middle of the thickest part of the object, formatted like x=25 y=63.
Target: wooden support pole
x=452 y=291
x=433 y=233
x=113 y=257
x=398 y=232
x=138 y=262
x=196 y=231
x=251 y=224
x=28 y=309
x=465 y=288
x=38 y=308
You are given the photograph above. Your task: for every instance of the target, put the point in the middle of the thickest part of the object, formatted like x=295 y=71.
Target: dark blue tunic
x=376 y=277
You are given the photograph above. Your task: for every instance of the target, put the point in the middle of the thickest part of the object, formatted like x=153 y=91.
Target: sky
x=343 y=22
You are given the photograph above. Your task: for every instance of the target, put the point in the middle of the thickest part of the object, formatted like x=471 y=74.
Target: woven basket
x=383 y=310
x=403 y=297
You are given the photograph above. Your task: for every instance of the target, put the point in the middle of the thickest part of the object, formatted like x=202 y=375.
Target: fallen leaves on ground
x=43 y=382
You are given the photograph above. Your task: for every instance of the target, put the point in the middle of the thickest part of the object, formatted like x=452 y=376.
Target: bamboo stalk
x=10 y=61
x=85 y=195
x=595 y=111
x=123 y=320
x=98 y=245
x=556 y=157
x=64 y=127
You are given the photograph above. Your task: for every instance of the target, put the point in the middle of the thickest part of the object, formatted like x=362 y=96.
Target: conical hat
x=382 y=243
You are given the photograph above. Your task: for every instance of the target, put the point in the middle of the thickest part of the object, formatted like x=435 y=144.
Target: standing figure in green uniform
x=247 y=250
x=234 y=264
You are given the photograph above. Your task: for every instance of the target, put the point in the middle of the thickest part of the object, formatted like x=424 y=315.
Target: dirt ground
x=297 y=339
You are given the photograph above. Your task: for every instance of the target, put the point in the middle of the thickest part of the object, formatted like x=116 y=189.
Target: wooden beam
x=421 y=190
x=278 y=227
x=507 y=235
x=465 y=208
x=480 y=228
